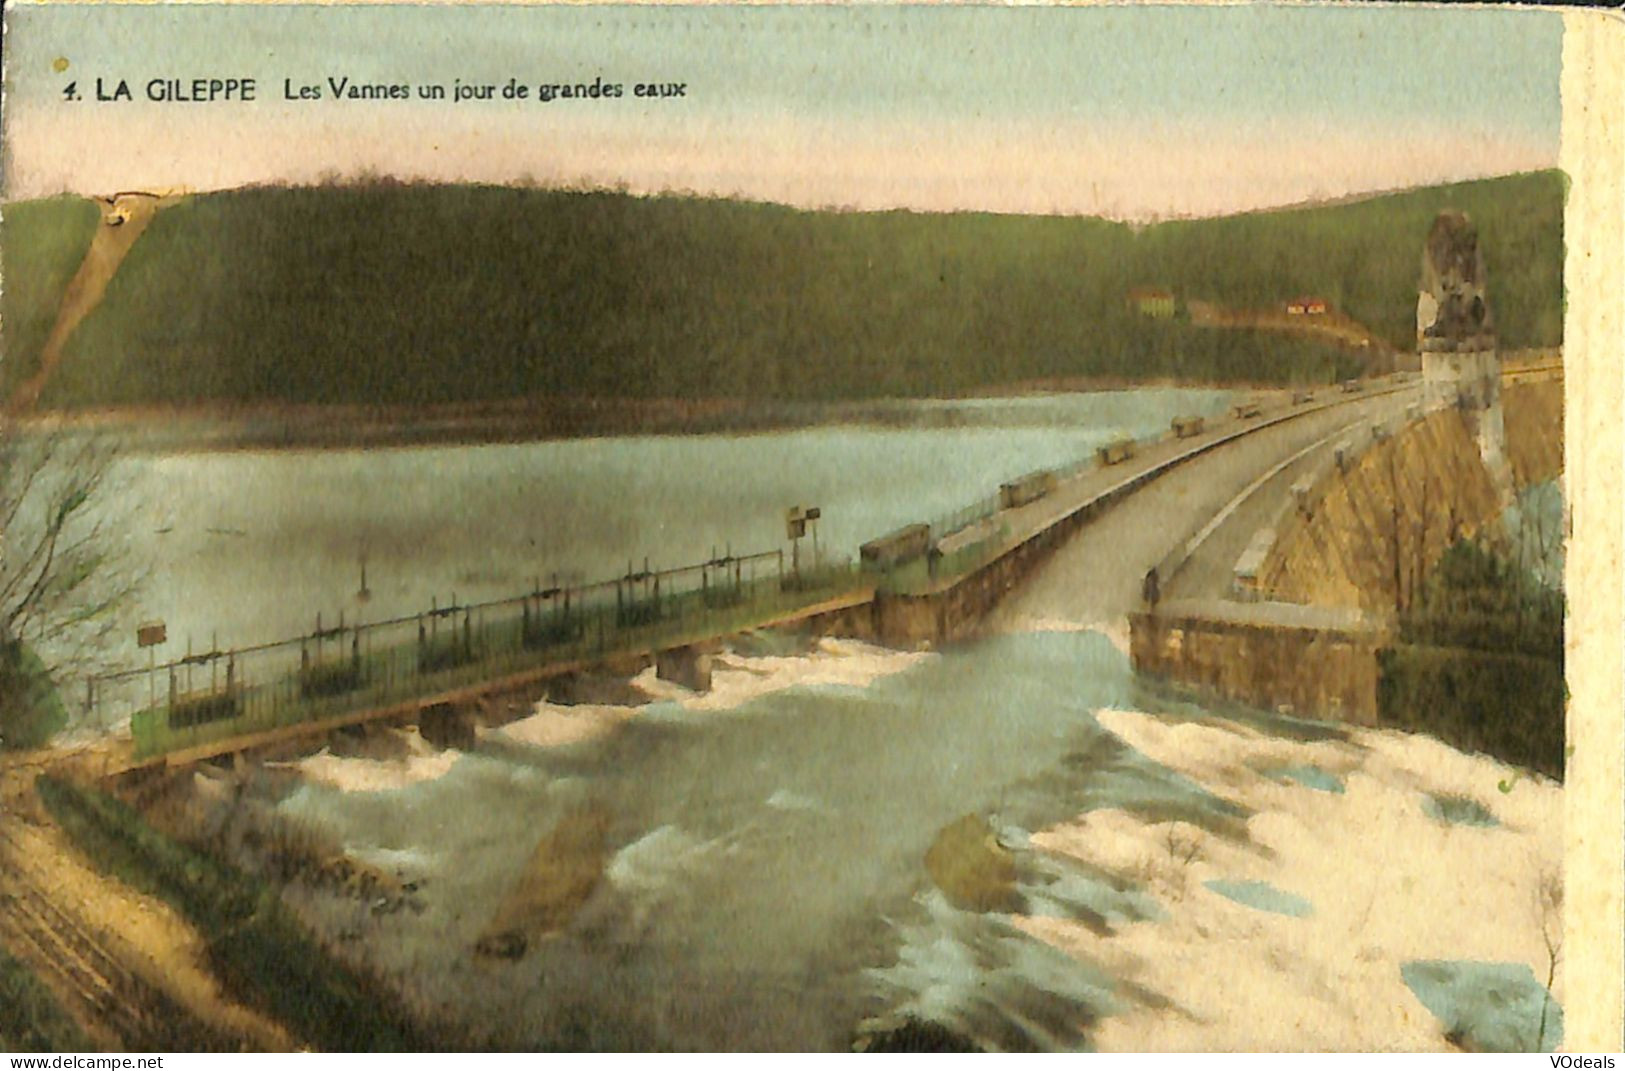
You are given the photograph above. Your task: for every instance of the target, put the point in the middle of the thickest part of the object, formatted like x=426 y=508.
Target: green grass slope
x=393 y=294
x=1365 y=257
x=43 y=243
x=31 y=1020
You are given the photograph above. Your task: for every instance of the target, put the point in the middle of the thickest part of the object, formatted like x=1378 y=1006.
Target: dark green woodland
x=394 y=293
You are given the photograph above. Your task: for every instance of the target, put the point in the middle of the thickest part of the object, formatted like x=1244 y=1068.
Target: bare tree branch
x=64 y=583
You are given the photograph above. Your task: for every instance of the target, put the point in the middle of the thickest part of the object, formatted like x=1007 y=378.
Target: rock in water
x=562 y=874
x=973 y=870
x=915 y=1035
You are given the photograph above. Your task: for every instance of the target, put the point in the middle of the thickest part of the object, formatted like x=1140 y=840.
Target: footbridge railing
x=341 y=667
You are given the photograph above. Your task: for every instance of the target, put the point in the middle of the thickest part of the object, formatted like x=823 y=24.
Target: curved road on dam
x=1095 y=577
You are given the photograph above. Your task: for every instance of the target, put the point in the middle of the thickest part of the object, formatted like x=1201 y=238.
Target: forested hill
x=407 y=293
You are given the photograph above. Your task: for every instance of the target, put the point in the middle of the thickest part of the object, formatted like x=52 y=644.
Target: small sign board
x=796 y=518
x=151 y=634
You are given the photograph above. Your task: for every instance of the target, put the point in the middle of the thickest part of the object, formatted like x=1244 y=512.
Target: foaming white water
x=650 y=881
x=396 y=860
x=985 y=983
x=737 y=679
x=1388 y=884
x=555 y=725
x=785 y=800
x=650 y=862
x=422 y=762
x=1115 y=629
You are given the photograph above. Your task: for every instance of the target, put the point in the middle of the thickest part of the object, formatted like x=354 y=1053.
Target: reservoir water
x=249 y=546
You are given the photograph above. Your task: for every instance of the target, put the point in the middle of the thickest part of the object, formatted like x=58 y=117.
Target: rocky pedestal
x=1455 y=338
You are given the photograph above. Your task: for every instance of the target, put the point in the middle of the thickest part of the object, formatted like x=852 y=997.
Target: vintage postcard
x=810 y=528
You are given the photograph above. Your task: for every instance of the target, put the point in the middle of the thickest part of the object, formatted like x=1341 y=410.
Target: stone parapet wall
x=1312 y=670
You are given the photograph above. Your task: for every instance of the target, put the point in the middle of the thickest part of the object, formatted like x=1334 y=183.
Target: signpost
x=796 y=523
x=811 y=517
x=149 y=635
x=795 y=526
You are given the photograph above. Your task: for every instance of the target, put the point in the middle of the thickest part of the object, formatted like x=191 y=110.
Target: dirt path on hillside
x=125 y=965
x=123 y=221
x=1333 y=327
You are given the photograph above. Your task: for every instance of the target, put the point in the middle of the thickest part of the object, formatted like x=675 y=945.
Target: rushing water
x=766 y=887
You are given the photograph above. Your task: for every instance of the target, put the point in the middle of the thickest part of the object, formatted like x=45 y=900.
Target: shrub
x=31 y=711
x=1479 y=662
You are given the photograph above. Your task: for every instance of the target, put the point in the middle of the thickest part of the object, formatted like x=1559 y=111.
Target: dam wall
x=1306 y=660
x=1367 y=533
x=1351 y=551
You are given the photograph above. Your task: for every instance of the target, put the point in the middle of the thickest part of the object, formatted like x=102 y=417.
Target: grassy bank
x=395 y=294
x=44 y=242
x=264 y=957
x=30 y=1018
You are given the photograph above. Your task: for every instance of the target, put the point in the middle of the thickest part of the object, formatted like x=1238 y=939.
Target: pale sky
x=1127 y=112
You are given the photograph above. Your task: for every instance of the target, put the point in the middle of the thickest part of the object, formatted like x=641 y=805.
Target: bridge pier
x=689 y=666
x=447 y=726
